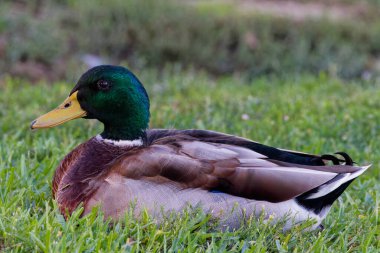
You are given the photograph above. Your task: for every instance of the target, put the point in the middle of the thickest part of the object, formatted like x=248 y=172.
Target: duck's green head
x=111 y=94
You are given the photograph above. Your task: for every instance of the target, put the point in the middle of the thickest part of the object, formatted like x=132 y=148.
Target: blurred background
x=59 y=39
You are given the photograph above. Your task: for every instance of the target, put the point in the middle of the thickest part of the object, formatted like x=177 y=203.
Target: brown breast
x=82 y=171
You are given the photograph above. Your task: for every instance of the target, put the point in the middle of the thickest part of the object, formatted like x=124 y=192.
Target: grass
x=317 y=114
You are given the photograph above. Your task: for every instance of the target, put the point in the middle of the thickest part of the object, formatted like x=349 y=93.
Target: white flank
x=121 y=143
x=293 y=212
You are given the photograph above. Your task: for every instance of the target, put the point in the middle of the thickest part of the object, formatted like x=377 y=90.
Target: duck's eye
x=103 y=85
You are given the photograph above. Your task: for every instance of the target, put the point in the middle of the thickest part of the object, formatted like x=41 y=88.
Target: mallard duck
x=167 y=170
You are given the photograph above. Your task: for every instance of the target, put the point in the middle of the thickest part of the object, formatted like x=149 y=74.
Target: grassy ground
x=312 y=114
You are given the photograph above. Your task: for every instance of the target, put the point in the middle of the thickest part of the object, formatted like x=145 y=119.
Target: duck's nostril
x=67 y=105
x=31 y=124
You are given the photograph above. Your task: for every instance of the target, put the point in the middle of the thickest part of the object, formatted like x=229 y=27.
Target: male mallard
x=159 y=169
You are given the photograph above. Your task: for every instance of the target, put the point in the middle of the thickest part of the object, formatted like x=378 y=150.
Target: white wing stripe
x=326 y=189
x=290 y=169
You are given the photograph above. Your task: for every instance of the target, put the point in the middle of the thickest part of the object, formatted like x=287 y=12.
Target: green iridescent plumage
x=123 y=108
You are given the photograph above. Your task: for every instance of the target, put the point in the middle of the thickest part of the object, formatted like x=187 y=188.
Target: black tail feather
x=318 y=204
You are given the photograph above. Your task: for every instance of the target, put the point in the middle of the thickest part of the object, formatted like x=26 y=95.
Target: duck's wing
x=284 y=155
x=217 y=162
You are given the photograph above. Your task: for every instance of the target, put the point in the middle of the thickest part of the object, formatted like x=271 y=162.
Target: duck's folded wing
x=228 y=168
x=164 y=136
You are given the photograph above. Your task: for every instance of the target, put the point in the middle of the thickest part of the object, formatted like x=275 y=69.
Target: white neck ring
x=120 y=143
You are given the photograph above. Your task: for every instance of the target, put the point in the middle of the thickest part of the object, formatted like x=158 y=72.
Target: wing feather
x=213 y=161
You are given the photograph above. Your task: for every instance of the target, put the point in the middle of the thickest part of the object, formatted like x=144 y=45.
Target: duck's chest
x=82 y=172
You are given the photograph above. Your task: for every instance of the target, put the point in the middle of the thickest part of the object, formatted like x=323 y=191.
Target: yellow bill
x=68 y=110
